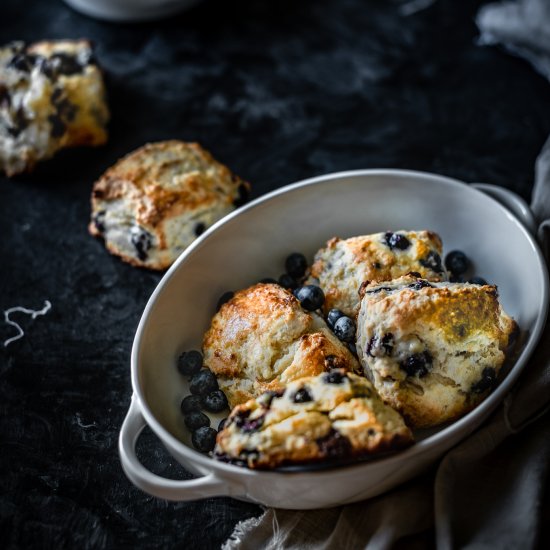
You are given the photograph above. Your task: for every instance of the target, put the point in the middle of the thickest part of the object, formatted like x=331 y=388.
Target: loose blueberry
x=286 y=281
x=333 y=316
x=396 y=240
x=215 y=401
x=296 y=265
x=196 y=419
x=417 y=364
x=268 y=281
x=204 y=439
x=334 y=377
x=224 y=298
x=353 y=348
x=344 y=328
x=457 y=262
x=221 y=425
x=311 y=297
x=478 y=281
x=203 y=383
x=190 y=362
x=487 y=381
x=302 y=396
x=432 y=261
x=191 y=403
x=456 y=279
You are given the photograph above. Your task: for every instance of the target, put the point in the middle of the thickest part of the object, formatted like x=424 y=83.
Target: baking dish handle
x=169 y=489
x=512 y=201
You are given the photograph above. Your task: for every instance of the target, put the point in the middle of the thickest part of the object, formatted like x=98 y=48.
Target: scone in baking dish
x=251 y=244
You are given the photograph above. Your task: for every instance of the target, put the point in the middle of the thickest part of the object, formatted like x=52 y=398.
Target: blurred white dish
x=130 y=10
x=252 y=243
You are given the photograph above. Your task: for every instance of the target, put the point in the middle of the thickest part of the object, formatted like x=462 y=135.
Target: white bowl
x=130 y=10
x=252 y=243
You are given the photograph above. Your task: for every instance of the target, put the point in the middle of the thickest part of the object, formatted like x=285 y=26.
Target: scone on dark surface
x=433 y=350
x=52 y=96
x=331 y=416
x=153 y=203
x=343 y=265
x=262 y=339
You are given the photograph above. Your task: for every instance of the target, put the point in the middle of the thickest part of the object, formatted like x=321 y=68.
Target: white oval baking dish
x=252 y=243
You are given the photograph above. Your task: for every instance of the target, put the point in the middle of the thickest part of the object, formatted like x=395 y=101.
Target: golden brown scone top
x=262 y=338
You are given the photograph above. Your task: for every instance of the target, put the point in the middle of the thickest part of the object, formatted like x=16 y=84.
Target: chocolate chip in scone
x=142 y=241
x=302 y=396
x=417 y=364
x=486 y=382
x=432 y=261
x=334 y=445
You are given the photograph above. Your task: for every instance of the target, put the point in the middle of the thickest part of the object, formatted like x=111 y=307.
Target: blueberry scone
x=157 y=200
x=344 y=264
x=433 y=350
x=331 y=416
x=262 y=339
x=52 y=96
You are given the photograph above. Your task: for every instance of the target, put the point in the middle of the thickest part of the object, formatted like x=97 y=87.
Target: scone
x=262 y=339
x=433 y=350
x=157 y=200
x=343 y=265
x=332 y=416
x=52 y=96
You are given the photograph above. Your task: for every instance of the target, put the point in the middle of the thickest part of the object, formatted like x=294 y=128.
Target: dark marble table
x=279 y=91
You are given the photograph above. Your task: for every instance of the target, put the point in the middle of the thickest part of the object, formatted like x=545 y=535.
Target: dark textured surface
x=279 y=91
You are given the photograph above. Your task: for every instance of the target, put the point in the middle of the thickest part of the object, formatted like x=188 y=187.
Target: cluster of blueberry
x=205 y=394
x=457 y=264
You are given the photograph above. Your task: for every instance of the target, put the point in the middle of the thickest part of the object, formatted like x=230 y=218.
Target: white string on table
x=33 y=313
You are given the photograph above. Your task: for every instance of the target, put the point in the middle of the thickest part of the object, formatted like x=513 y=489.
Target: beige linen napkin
x=485 y=493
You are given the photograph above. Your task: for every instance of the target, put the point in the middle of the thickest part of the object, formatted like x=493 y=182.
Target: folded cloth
x=487 y=492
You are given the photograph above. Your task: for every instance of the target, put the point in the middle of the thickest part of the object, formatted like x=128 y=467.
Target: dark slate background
x=279 y=91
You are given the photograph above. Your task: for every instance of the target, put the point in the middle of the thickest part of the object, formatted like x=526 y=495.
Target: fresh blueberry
x=353 y=348
x=311 y=297
x=478 y=281
x=296 y=265
x=334 y=377
x=204 y=439
x=333 y=316
x=191 y=403
x=196 y=419
x=225 y=297
x=432 y=261
x=396 y=240
x=268 y=281
x=215 y=401
x=417 y=364
x=344 y=328
x=457 y=262
x=487 y=381
x=456 y=279
x=302 y=396
x=203 y=383
x=221 y=425
x=286 y=281
x=190 y=362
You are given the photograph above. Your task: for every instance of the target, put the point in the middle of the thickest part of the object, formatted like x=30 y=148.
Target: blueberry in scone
x=342 y=265
x=331 y=416
x=156 y=201
x=52 y=96
x=433 y=350
x=262 y=338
